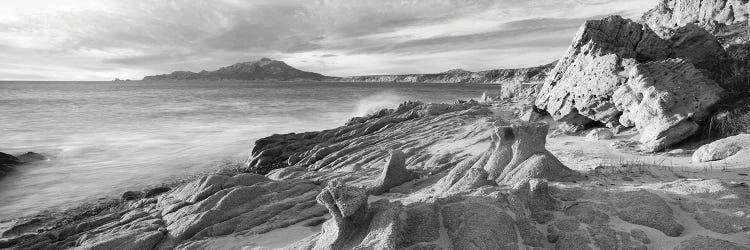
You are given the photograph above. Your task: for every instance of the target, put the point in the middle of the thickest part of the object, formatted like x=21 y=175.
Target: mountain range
x=263 y=69
x=267 y=69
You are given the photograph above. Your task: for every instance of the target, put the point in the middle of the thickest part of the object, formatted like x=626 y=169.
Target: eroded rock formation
x=394 y=173
x=518 y=153
x=617 y=69
x=669 y=15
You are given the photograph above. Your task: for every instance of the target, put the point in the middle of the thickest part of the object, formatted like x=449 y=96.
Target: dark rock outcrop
x=263 y=69
x=9 y=162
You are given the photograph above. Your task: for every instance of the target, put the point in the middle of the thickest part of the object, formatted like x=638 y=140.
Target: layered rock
x=665 y=100
x=579 y=88
x=517 y=154
x=617 y=70
x=394 y=173
x=361 y=140
x=669 y=15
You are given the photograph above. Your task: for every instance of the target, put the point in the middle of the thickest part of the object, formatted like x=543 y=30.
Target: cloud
x=103 y=39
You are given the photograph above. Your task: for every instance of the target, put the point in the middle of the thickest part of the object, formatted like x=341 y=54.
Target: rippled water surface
x=107 y=137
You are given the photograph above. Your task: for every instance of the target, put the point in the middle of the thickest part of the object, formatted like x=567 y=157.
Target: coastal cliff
x=496 y=76
x=263 y=69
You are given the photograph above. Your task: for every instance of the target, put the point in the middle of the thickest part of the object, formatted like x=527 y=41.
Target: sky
x=128 y=39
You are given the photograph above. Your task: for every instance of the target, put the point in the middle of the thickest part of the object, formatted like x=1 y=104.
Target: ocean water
x=104 y=138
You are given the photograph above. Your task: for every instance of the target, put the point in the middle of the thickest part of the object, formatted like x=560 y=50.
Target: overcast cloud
x=104 y=39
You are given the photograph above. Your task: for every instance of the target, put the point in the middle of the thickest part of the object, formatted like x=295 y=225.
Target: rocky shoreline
x=603 y=154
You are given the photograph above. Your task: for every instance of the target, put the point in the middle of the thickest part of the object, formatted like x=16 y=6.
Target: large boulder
x=394 y=173
x=617 y=72
x=578 y=90
x=665 y=100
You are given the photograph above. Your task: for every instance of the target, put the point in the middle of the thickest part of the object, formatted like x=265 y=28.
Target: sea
x=104 y=138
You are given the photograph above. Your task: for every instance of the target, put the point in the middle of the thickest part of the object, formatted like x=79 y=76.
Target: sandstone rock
x=422 y=224
x=530 y=235
x=572 y=241
x=665 y=100
x=701 y=242
x=640 y=236
x=671 y=14
x=342 y=146
x=579 y=89
x=599 y=134
x=616 y=73
x=473 y=178
x=393 y=174
x=518 y=153
x=354 y=224
x=721 y=149
x=342 y=201
x=491 y=228
x=700 y=48
x=647 y=209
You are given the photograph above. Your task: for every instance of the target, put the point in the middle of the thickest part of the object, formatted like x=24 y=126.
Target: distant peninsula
x=267 y=69
x=261 y=70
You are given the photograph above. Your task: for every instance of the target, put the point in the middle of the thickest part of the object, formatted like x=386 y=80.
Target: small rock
x=132 y=195
x=678 y=151
x=599 y=134
x=157 y=190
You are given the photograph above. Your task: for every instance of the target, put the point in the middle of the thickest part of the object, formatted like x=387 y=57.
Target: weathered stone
x=640 y=236
x=579 y=89
x=491 y=228
x=599 y=134
x=647 y=209
x=422 y=224
x=665 y=100
x=721 y=149
x=518 y=153
x=473 y=178
x=393 y=174
x=701 y=242
x=669 y=15
x=572 y=241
